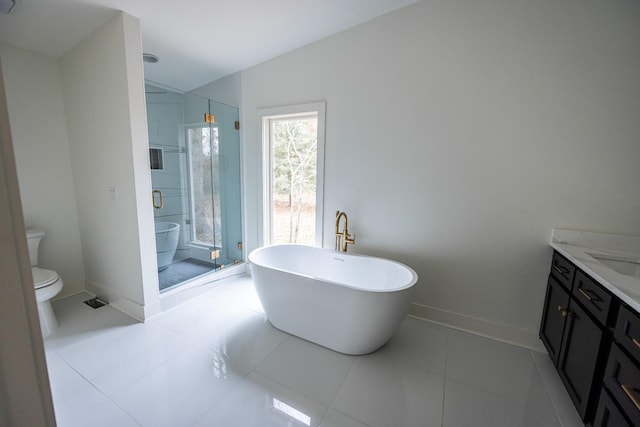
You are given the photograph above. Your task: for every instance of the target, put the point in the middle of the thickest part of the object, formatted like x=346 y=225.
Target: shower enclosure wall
x=195 y=173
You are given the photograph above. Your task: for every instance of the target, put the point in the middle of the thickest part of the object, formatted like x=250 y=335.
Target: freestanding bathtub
x=167 y=236
x=351 y=304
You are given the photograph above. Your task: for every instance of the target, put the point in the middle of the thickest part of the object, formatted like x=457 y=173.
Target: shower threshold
x=184 y=271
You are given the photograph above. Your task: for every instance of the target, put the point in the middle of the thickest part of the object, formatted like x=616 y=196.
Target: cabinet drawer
x=592 y=296
x=627 y=332
x=608 y=414
x=622 y=378
x=563 y=270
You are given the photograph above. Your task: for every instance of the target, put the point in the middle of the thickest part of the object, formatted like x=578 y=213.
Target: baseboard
x=520 y=337
x=167 y=300
x=119 y=302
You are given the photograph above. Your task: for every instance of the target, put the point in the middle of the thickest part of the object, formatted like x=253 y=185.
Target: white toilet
x=47 y=284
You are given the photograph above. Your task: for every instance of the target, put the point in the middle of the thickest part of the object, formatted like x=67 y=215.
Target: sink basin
x=622 y=264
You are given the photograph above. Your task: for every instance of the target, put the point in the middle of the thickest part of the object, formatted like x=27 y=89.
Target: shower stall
x=194 y=154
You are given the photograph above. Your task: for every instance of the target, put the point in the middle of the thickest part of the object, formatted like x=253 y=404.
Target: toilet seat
x=43 y=277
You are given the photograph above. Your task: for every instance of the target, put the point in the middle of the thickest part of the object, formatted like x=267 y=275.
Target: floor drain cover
x=95 y=303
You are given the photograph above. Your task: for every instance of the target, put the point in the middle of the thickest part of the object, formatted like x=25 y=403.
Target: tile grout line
x=444 y=382
x=329 y=406
x=547 y=388
x=96 y=388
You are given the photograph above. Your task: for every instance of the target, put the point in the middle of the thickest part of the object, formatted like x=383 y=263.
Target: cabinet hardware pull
x=628 y=390
x=560 y=270
x=585 y=294
x=636 y=342
x=563 y=310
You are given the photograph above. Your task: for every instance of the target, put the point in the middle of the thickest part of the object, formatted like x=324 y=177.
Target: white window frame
x=265 y=117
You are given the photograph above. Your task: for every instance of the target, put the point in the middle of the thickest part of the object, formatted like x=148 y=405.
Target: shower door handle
x=153 y=195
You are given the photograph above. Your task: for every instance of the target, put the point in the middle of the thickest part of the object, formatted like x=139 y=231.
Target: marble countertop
x=580 y=247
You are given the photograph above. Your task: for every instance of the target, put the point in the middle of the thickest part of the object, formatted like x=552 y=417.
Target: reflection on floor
x=182 y=271
x=216 y=361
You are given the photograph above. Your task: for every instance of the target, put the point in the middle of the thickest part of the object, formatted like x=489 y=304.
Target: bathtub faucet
x=343 y=238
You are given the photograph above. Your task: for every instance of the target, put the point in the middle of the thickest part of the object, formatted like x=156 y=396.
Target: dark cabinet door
x=580 y=359
x=608 y=414
x=554 y=315
x=622 y=378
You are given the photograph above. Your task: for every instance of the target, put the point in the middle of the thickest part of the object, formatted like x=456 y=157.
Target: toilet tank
x=33 y=241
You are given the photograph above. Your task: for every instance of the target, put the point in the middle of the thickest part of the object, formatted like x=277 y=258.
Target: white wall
x=104 y=99
x=459 y=133
x=24 y=389
x=41 y=143
x=227 y=90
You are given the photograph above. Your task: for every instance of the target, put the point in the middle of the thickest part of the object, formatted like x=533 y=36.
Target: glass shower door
x=203 y=147
x=195 y=173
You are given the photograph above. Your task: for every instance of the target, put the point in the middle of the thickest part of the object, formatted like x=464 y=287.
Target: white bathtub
x=351 y=304
x=167 y=236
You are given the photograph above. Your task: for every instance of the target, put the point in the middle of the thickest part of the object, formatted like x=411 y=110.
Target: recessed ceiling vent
x=146 y=57
x=6 y=6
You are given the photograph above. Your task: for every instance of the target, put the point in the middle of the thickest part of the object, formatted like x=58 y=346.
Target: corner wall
x=104 y=99
x=459 y=133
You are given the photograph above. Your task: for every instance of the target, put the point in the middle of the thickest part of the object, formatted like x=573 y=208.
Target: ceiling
x=197 y=41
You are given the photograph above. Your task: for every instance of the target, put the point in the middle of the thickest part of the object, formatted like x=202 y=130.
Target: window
x=293 y=153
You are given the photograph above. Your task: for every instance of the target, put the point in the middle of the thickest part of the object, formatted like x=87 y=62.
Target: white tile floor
x=216 y=361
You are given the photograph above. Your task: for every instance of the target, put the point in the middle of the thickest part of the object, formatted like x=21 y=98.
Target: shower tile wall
x=164 y=118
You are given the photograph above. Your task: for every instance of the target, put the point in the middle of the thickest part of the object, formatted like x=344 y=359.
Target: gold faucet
x=343 y=238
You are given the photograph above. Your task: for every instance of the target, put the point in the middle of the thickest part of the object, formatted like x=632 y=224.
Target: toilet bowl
x=47 y=284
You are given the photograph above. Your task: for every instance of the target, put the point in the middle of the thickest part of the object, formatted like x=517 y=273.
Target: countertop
x=579 y=246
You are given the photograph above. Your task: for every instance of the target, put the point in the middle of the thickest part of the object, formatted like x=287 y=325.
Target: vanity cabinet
x=575 y=330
